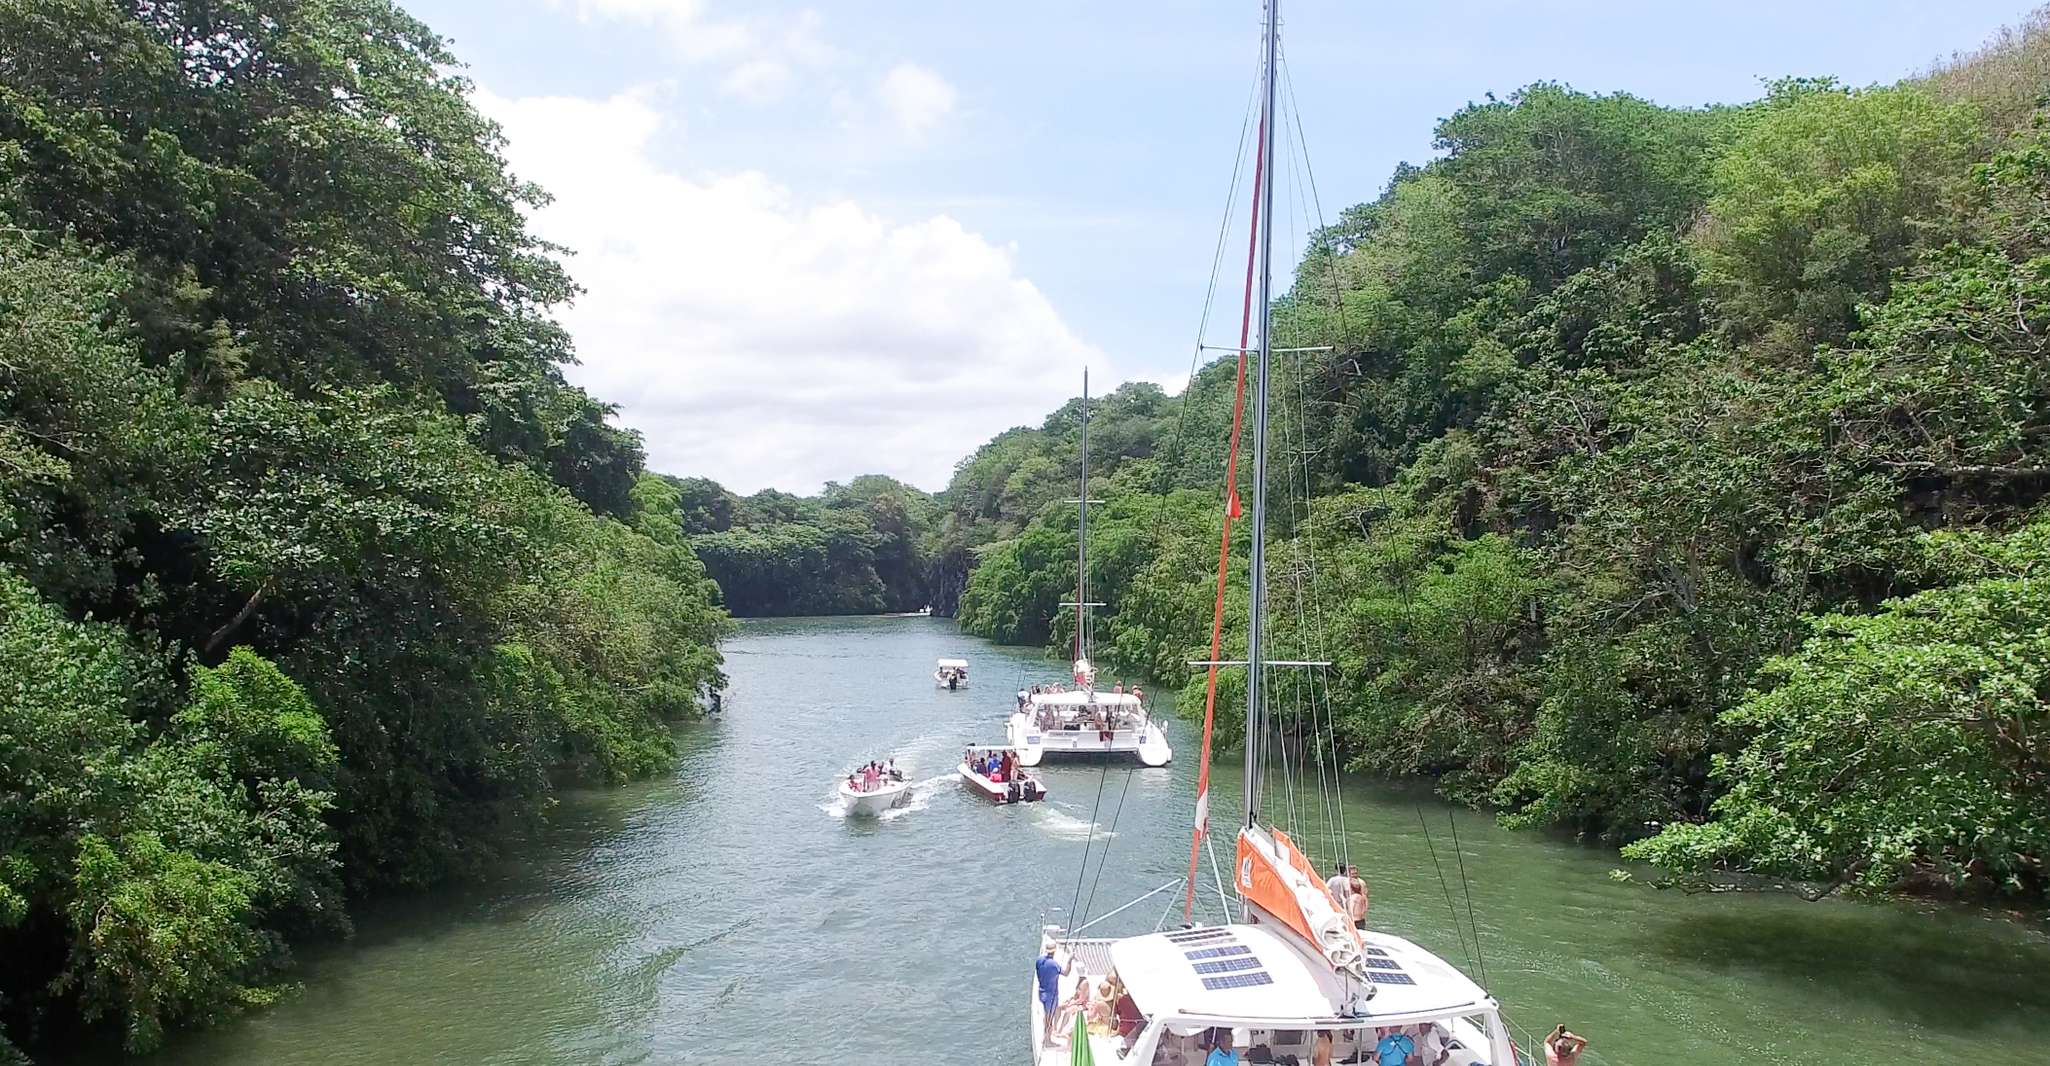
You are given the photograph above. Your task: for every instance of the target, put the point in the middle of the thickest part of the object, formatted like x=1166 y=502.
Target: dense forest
x=315 y=576
x=1675 y=476
x=858 y=548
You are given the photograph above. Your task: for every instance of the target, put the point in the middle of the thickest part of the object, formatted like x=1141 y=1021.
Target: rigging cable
x=1174 y=450
x=1330 y=736
x=1480 y=960
x=1442 y=883
x=1238 y=407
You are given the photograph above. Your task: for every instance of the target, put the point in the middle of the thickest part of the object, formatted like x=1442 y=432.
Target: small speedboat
x=951 y=674
x=891 y=791
x=1019 y=785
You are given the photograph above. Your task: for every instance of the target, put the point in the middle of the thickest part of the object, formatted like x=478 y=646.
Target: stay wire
x=1330 y=736
x=1450 y=910
x=1480 y=960
x=1175 y=445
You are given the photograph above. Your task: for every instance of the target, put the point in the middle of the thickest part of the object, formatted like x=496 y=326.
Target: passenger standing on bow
x=1049 y=973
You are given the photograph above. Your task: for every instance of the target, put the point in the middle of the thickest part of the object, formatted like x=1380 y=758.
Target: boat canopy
x=957 y=664
x=1252 y=975
x=1085 y=699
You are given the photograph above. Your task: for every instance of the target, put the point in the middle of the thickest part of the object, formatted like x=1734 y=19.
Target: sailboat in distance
x=1293 y=964
x=1073 y=718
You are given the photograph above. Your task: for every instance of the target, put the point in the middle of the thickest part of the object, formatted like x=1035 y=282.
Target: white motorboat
x=1018 y=786
x=1087 y=723
x=951 y=674
x=871 y=800
x=1290 y=960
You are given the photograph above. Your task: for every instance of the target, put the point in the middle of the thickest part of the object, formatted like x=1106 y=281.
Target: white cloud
x=763 y=339
x=915 y=97
x=762 y=55
x=757 y=81
x=694 y=34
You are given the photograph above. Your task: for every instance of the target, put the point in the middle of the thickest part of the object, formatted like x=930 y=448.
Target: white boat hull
x=1030 y=791
x=874 y=802
x=1147 y=743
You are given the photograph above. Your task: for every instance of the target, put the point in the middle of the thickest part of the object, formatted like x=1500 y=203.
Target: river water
x=727 y=914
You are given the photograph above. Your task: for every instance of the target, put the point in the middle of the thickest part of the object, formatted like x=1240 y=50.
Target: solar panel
x=1238 y=980
x=1193 y=936
x=1218 y=953
x=1381 y=964
x=1385 y=977
x=1243 y=962
x=1377 y=953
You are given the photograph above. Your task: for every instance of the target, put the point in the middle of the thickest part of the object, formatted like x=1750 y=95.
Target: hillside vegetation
x=314 y=573
x=1677 y=477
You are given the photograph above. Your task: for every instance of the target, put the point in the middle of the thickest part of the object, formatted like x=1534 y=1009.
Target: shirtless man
x=1563 y=1048
x=1356 y=895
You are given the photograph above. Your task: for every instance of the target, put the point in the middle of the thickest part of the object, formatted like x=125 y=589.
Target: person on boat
x=1395 y=1048
x=1320 y=1050
x=1076 y=1003
x=1102 y=1008
x=1356 y=896
x=1563 y=1047
x=1339 y=884
x=1221 y=1053
x=1049 y=974
x=1433 y=1044
x=1125 y=1013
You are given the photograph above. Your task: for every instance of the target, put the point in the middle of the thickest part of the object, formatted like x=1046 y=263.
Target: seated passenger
x=1064 y=1016
x=1394 y=1048
x=1129 y=1021
x=1221 y=1053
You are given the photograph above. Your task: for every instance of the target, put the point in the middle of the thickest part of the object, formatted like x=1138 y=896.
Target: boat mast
x=1255 y=715
x=1082 y=538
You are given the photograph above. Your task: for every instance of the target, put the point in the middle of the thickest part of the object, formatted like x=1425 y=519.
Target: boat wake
x=1061 y=825
x=922 y=792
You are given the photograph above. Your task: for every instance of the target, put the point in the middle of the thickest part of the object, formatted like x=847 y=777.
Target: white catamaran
x=1073 y=718
x=1294 y=964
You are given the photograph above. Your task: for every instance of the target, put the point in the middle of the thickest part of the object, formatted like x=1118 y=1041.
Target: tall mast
x=1082 y=538
x=1255 y=715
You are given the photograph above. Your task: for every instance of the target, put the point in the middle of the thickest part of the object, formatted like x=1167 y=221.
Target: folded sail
x=1274 y=876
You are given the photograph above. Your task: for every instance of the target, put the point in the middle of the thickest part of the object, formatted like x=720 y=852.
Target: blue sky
x=821 y=239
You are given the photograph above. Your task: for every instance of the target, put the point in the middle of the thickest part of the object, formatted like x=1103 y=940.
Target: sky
x=818 y=240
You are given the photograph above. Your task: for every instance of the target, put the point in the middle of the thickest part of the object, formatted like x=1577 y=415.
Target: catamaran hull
x=1001 y=792
x=1148 y=744
x=872 y=804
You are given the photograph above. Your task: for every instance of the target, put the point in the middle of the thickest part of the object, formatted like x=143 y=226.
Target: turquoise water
x=725 y=914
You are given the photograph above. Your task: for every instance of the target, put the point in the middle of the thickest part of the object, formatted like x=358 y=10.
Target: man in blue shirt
x=1049 y=973
x=1394 y=1049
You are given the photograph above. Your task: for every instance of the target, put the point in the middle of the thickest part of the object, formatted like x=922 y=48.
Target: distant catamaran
x=1069 y=719
x=1294 y=964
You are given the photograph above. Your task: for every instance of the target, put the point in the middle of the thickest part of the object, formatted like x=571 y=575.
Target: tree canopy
x=314 y=572
x=1674 y=476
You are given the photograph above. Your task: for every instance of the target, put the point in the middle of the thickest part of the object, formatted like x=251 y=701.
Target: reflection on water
x=721 y=915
